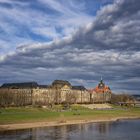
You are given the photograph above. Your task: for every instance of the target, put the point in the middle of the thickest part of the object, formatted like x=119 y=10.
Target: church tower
x=101 y=85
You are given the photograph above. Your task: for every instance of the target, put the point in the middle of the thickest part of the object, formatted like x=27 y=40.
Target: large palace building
x=60 y=91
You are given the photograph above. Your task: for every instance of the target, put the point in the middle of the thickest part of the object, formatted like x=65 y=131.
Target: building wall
x=82 y=96
x=100 y=97
x=43 y=96
x=65 y=95
x=22 y=97
x=15 y=97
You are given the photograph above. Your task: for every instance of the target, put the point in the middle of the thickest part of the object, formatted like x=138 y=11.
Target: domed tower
x=102 y=88
x=101 y=85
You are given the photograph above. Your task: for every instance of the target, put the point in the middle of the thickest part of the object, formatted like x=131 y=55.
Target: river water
x=119 y=130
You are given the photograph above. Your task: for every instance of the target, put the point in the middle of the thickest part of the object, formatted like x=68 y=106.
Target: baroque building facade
x=101 y=93
x=60 y=91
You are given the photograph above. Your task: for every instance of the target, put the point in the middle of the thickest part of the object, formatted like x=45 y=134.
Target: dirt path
x=98 y=106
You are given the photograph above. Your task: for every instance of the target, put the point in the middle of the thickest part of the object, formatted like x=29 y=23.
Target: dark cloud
x=109 y=47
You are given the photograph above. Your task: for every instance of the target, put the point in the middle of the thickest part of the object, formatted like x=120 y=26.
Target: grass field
x=76 y=112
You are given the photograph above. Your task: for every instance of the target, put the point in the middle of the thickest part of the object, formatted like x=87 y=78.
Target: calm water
x=120 y=130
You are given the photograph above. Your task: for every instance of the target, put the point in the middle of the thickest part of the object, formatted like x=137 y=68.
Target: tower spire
x=101 y=78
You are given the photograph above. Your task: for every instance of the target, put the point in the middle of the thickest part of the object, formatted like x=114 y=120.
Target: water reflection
x=103 y=128
x=93 y=131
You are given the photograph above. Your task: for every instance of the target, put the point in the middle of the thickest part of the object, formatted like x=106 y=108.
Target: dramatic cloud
x=33 y=21
x=79 y=47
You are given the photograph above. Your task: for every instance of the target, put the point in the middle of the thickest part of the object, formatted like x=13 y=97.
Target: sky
x=74 y=40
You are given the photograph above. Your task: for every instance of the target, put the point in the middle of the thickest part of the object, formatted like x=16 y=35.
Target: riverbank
x=22 y=118
x=57 y=123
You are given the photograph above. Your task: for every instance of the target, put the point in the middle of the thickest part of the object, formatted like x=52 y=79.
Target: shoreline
x=19 y=126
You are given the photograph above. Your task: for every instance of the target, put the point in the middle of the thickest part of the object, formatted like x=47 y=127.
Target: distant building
x=27 y=93
x=60 y=91
x=101 y=93
x=65 y=92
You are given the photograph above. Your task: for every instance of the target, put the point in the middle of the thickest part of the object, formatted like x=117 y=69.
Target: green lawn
x=21 y=115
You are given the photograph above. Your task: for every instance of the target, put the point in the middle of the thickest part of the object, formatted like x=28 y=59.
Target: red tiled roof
x=99 y=90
